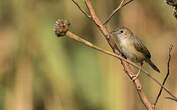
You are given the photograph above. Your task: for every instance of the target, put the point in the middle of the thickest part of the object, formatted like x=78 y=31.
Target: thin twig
x=157 y=82
x=174 y=99
x=165 y=79
x=85 y=13
x=116 y=10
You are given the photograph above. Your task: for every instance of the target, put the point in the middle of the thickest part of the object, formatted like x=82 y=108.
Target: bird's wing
x=139 y=46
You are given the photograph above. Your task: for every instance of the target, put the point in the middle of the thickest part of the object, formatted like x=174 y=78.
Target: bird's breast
x=128 y=49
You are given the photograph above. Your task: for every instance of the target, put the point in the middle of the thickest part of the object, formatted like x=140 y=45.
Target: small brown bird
x=132 y=47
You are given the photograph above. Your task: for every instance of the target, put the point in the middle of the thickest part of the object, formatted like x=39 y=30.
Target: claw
x=136 y=76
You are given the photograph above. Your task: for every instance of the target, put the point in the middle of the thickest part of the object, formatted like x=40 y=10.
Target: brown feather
x=141 y=48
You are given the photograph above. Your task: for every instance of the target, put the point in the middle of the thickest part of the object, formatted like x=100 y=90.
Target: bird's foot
x=136 y=76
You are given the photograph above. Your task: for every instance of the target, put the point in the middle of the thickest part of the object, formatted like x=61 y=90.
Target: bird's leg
x=136 y=76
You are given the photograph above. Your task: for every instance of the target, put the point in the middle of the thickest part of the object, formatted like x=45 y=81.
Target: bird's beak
x=113 y=32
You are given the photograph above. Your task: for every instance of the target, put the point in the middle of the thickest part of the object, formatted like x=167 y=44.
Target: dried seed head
x=171 y=2
x=61 y=27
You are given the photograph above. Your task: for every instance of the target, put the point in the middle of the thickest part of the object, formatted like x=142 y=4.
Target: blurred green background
x=39 y=71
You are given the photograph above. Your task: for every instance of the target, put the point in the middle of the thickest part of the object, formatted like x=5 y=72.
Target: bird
x=133 y=48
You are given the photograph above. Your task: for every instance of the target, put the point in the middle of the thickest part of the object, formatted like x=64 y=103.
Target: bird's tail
x=152 y=65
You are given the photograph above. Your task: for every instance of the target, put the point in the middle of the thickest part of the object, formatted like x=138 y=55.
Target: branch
x=85 y=13
x=126 y=66
x=165 y=79
x=116 y=10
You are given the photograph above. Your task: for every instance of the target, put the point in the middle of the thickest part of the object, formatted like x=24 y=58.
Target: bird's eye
x=121 y=31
